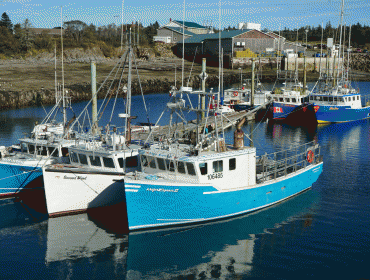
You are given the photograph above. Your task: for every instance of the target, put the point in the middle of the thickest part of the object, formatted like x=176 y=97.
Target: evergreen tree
x=6 y=22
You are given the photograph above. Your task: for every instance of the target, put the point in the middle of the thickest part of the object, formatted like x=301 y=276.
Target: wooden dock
x=183 y=130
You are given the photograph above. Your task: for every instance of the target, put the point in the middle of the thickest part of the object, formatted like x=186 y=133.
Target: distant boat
x=333 y=97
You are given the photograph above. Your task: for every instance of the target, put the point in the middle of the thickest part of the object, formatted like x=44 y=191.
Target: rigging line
x=108 y=91
x=142 y=93
x=191 y=69
x=118 y=87
x=86 y=106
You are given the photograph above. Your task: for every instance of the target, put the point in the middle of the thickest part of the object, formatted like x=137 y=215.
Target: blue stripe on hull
x=13 y=178
x=341 y=114
x=154 y=205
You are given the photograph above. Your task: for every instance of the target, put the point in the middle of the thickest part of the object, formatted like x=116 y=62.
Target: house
x=49 y=31
x=174 y=30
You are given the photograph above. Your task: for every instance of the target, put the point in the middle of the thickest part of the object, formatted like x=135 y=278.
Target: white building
x=249 y=25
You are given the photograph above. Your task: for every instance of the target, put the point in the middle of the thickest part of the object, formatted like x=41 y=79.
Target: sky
x=271 y=14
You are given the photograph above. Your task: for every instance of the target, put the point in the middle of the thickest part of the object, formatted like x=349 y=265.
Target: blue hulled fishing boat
x=204 y=179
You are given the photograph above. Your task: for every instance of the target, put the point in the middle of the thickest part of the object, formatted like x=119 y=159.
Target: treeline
x=21 y=39
x=360 y=34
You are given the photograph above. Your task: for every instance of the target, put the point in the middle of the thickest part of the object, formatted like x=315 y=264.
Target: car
x=358 y=50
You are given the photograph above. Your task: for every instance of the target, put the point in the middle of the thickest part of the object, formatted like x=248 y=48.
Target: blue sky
x=272 y=14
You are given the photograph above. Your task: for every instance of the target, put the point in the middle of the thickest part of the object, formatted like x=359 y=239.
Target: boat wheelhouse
x=90 y=180
x=22 y=163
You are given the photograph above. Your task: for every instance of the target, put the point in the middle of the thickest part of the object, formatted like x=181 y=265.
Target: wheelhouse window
x=41 y=150
x=31 y=149
x=65 y=152
x=144 y=161
x=161 y=164
x=203 y=168
x=95 y=161
x=232 y=164
x=181 y=167
x=190 y=168
x=53 y=151
x=281 y=99
x=170 y=165
x=152 y=163
x=294 y=100
x=358 y=97
x=24 y=147
x=287 y=99
x=108 y=162
x=83 y=159
x=331 y=98
x=217 y=166
x=72 y=155
x=326 y=98
x=132 y=161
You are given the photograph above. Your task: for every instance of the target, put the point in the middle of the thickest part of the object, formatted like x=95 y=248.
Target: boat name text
x=161 y=190
x=74 y=178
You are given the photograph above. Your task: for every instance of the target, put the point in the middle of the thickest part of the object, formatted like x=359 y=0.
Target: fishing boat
x=208 y=179
x=333 y=97
x=48 y=143
x=96 y=166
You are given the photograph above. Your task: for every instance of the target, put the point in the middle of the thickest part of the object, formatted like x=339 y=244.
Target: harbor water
x=322 y=233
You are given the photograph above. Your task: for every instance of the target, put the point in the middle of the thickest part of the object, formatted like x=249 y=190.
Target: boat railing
x=282 y=163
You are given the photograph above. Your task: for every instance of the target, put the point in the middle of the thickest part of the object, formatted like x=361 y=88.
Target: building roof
x=189 y=24
x=53 y=31
x=179 y=30
x=226 y=34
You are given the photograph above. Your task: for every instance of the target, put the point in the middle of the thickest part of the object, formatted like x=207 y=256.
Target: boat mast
x=340 y=38
x=128 y=97
x=183 y=43
x=63 y=94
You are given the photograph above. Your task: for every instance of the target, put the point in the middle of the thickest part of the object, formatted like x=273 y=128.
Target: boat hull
x=72 y=192
x=333 y=114
x=15 y=177
x=152 y=205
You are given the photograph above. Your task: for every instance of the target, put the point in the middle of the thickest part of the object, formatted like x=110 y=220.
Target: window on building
x=161 y=164
x=203 y=168
x=232 y=164
x=108 y=162
x=95 y=161
x=217 y=166
x=83 y=158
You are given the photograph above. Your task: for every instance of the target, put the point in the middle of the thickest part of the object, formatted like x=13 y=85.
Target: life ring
x=235 y=93
x=310 y=156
